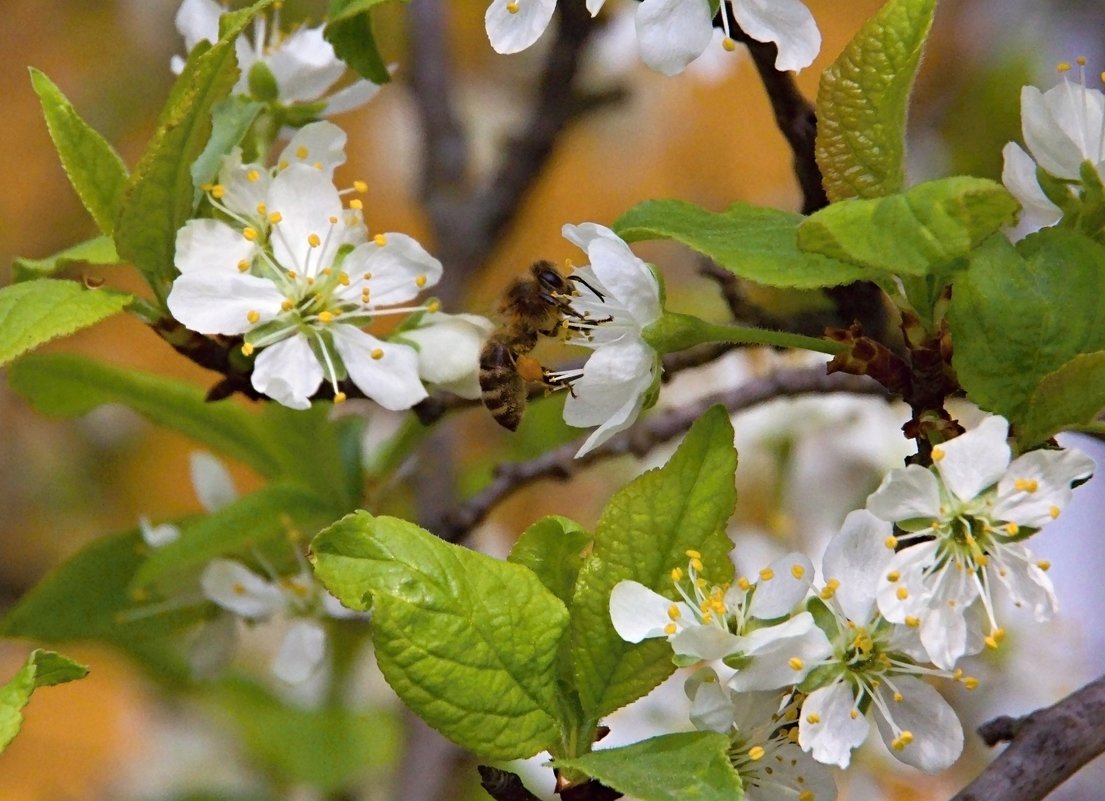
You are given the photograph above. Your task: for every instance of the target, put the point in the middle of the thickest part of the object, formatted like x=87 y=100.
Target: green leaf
x=644 y=532
x=350 y=34
x=42 y=669
x=250 y=520
x=94 y=168
x=913 y=232
x=1069 y=397
x=553 y=549
x=88 y=597
x=1020 y=314
x=328 y=748
x=230 y=121
x=671 y=767
x=468 y=642
x=64 y=385
x=100 y=250
x=33 y=313
x=159 y=196
x=863 y=100
x=756 y=243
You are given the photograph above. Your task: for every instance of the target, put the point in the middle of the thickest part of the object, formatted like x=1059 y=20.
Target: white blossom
x=448 y=348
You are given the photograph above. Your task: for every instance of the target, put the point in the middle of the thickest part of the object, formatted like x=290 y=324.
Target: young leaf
x=1021 y=313
x=863 y=100
x=553 y=549
x=350 y=34
x=65 y=385
x=100 y=250
x=913 y=232
x=159 y=196
x=671 y=767
x=756 y=243
x=94 y=168
x=230 y=121
x=33 y=313
x=1069 y=397
x=42 y=669
x=468 y=642
x=644 y=532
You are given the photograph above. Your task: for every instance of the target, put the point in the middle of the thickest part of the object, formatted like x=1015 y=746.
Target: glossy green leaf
x=42 y=669
x=645 y=531
x=159 y=196
x=672 y=767
x=1070 y=397
x=100 y=250
x=94 y=168
x=553 y=549
x=35 y=312
x=753 y=242
x=914 y=232
x=863 y=100
x=350 y=33
x=468 y=642
x=1021 y=313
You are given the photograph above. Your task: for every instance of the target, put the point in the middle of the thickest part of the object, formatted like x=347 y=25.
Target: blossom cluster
x=907 y=589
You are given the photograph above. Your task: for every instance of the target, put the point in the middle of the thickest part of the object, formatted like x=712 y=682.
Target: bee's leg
x=578 y=280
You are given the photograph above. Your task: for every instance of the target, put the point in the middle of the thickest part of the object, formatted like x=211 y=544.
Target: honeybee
x=533 y=306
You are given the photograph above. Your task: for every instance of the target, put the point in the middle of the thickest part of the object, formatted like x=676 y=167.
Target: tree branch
x=560 y=463
x=1046 y=748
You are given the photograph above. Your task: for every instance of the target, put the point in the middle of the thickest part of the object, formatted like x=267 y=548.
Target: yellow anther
x=217 y=191
x=253 y=315
x=1062 y=67
x=512 y=7
x=912 y=621
x=902 y=593
x=313 y=240
x=998 y=634
x=243 y=266
x=1011 y=528
x=377 y=353
x=893 y=576
x=756 y=753
x=356 y=203
x=339 y=397
x=677 y=574
x=991 y=641
x=1081 y=61
x=275 y=217
x=301 y=152
x=250 y=234
x=262 y=208
x=729 y=44
x=891 y=542
x=830 y=588
x=333 y=220
x=327 y=271
x=982 y=560
x=360 y=186
x=420 y=281
x=238 y=588
x=380 y=240
x=287 y=304
x=433 y=306
x=325 y=317
x=367 y=276
x=692 y=554
x=813 y=718
x=796 y=663
x=898 y=697
x=343 y=278
x=707 y=617
x=767 y=574
x=805 y=795
x=670 y=629
x=317 y=165
x=937 y=454
x=673 y=612
x=854 y=713
x=1026 y=485
x=970 y=682
x=696 y=564
x=247 y=349
x=1053 y=512
x=744 y=583
x=1044 y=564
x=902 y=740
x=797 y=571
x=253 y=176
x=282 y=165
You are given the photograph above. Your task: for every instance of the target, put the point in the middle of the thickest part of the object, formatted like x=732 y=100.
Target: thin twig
x=1046 y=748
x=560 y=463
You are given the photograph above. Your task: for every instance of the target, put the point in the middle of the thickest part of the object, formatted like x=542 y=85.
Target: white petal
x=307 y=201
x=1062 y=127
x=511 y=33
x=910 y=565
x=301 y=651
x=320 y=143
x=595 y=6
x=791 y=576
x=391 y=380
x=1018 y=173
x=449 y=350
x=781 y=655
x=288 y=372
x=639 y=613
x=857 y=557
x=937 y=733
x=795 y=773
x=711 y=707
x=197 y=20
x=704 y=642
x=214 y=646
x=583 y=234
x=1028 y=584
x=211 y=480
x=787 y=23
x=838 y=728
x=1053 y=472
x=236 y=588
x=304 y=66
x=910 y=493
x=400 y=269
x=611 y=392
x=159 y=535
x=627 y=277
x=216 y=302
x=673 y=33
x=350 y=97
x=975 y=460
x=203 y=245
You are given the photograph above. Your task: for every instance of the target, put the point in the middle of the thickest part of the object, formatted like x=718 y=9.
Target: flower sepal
x=262 y=83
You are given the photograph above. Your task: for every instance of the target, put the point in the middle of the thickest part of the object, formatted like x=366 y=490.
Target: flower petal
x=781 y=655
x=288 y=372
x=923 y=712
x=320 y=145
x=307 y=202
x=212 y=482
x=787 y=23
x=301 y=651
x=237 y=589
x=975 y=460
x=611 y=392
x=673 y=33
x=399 y=269
x=857 y=557
x=385 y=372
x=350 y=97
x=449 y=349
x=639 y=613
x=514 y=32
x=203 y=245
x=216 y=302
x=304 y=65
x=830 y=725
x=782 y=586
x=909 y=493
x=627 y=278
x=1018 y=173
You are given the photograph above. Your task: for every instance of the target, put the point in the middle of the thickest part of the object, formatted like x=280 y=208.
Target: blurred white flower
x=514 y=25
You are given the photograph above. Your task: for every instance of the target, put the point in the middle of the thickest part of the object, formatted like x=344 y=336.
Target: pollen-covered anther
x=243 y=266
x=356 y=203
x=1011 y=528
x=217 y=191
x=287 y=304
x=1053 y=512
x=339 y=397
x=898 y=698
x=830 y=588
x=797 y=571
x=902 y=740
x=767 y=574
x=677 y=574
x=253 y=315
x=247 y=348
x=433 y=306
x=302 y=152
x=902 y=593
x=729 y=44
x=275 y=217
x=333 y=220
x=813 y=718
x=796 y=663
x=380 y=240
x=325 y=317
x=673 y=612
x=891 y=542
x=253 y=176
x=853 y=713
x=912 y=621
x=937 y=454
x=262 y=209
x=377 y=353
x=756 y=753
x=420 y=281
x=360 y=186
x=238 y=588
x=1026 y=485
x=343 y=278
x=696 y=564
x=806 y=795
x=893 y=576
x=1043 y=564
x=744 y=584
x=512 y=7
x=314 y=240
x=670 y=629
x=250 y=234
